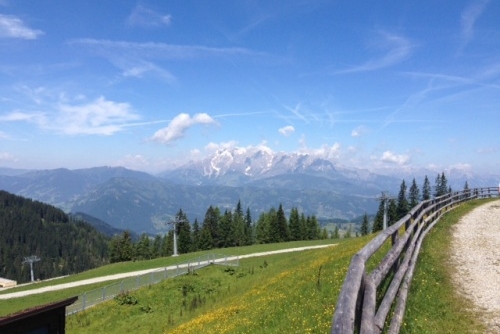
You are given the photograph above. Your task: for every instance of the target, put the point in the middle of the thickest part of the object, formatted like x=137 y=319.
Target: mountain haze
x=259 y=178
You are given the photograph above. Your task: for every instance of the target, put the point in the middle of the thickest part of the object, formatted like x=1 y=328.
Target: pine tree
x=414 y=195
x=275 y=230
x=122 y=248
x=392 y=212
x=336 y=234
x=441 y=185
x=378 y=223
x=262 y=229
x=312 y=228
x=226 y=230
x=426 y=190
x=402 y=204
x=142 y=248
x=167 y=245
x=364 y=225
x=211 y=223
x=156 y=247
x=249 y=233
x=195 y=245
x=206 y=242
x=295 y=231
x=324 y=234
x=184 y=237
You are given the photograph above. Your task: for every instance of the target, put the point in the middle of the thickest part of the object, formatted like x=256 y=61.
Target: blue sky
x=381 y=85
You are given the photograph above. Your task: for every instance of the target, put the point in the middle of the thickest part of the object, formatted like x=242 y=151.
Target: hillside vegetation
x=294 y=292
x=64 y=246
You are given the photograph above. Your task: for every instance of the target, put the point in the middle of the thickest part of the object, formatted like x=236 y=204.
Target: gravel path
x=142 y=272
x=476 y=255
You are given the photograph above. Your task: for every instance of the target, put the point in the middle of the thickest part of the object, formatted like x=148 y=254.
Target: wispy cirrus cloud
x=359 y=131
x=13 y=27
x=396 y=49
x=152 y=50
x=469 y=17
x=146 y=17
x=98 y=117
x=178 y=126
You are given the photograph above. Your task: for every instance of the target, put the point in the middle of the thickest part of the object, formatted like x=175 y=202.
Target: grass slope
x=294 y=292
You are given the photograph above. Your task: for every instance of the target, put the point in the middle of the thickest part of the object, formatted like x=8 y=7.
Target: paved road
x=142 y=272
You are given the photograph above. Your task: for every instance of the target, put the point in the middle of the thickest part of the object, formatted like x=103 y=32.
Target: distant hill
x=100 y=225
x=259 y=179
x=64 y=246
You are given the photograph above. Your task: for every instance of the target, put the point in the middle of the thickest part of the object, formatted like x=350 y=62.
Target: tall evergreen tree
x=336 y=234
x=426 y=189
x=156 y=247
x=312 y=228
x=195 y=245
x=226 y=230
x=414 y=196
x=402 y=204
x=378 y=223
x=262 y=229
x=303 y=226
x=122 y=248
x=142 y=248
x=441 y=185
x=392 y=212
x=274 y=228
x=249 y=232
x=294 y=224
x=211 y=223
x=364 y=225
x=167 y=245
x=184 y=237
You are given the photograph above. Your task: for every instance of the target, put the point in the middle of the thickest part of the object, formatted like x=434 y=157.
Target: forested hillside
x=64 y=246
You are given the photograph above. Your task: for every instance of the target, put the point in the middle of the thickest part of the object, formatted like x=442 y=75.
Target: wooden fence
x=357 y=309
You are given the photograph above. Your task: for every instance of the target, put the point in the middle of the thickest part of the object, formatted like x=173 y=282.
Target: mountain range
x=259 y=179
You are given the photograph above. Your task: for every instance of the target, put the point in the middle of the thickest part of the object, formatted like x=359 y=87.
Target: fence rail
x=357 y=309
x=96 y=296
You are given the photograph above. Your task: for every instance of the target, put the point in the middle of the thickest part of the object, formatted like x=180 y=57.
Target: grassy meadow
x=292 y=292
x=289 y=292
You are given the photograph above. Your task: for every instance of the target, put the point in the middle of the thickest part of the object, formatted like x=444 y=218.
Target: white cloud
x=133 y=161
x=13 y=27
x=391 y=157
x=141 y=69
x=398 y=48
x=327 y=152
x=145 y=17
x=359 y=131
x=213 y=147
x=462 y=166
x=76 y=116
x=469 y=17
x=287 y=130
x=488 y=150
x=19 y=116
x=7 y=157
x=179 y=125
x=102 y=117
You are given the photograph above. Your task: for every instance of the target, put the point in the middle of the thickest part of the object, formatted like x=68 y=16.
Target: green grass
x=293 y=292
x=434 y=306
x=123 y=267
x=14 y=305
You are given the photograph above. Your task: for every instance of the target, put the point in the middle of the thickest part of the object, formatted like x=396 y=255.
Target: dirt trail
x=141 y=272
x=476 y=255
